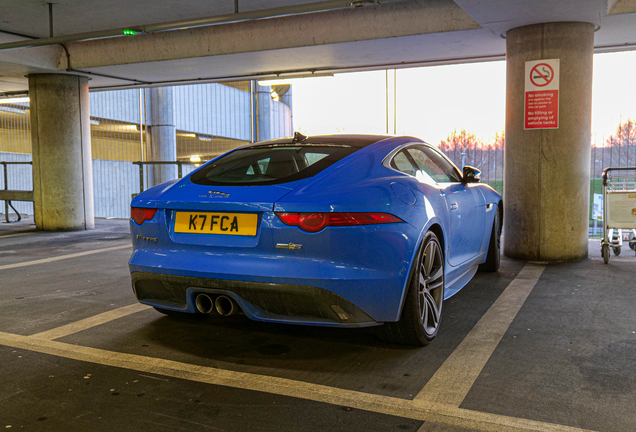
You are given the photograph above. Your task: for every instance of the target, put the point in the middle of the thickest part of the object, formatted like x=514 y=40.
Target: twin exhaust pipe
x=224 y=305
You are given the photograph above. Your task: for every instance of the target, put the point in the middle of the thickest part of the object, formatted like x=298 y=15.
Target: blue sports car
x=335 y=230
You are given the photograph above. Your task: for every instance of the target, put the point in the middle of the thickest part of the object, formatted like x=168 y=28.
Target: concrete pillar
x=264 y=112
x=163 y=141
x=62 y=162
x=547 y=171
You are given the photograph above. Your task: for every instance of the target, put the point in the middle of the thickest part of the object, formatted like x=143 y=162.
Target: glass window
x=434 y=164
x=311 y=157
x=262 y=164
x=270 y=164
x=425 y=164
x=403 y=163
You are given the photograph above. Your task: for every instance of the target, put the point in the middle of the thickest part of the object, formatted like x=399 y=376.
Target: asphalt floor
x=78 y=353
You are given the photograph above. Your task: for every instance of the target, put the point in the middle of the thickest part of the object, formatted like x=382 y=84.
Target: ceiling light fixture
x=13 y=100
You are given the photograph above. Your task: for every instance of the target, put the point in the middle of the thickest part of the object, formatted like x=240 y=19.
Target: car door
x=465 y=203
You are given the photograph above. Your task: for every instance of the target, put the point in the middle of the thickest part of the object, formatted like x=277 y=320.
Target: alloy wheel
x=431 y=288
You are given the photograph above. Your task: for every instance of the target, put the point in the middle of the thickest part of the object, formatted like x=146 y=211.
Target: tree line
x=618 y=150
x=466 y=148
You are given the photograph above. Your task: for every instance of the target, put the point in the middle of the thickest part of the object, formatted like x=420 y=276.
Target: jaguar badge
x=290 y=246
x=215 y=194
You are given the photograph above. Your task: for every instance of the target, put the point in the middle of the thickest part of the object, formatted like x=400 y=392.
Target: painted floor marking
x=62 y=257
x=17 y=234
x=91 y=322
x=418 y=410
x=453 y=380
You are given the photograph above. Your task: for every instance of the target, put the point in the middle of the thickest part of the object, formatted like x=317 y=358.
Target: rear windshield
x=270 y=164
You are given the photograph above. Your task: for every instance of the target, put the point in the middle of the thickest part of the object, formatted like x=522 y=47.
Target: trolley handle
x=607 y=170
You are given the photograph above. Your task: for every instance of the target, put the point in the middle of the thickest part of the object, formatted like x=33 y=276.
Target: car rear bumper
x=368 y=266
x=272 y=302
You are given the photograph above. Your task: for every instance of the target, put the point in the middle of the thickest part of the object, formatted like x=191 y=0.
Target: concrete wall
x=190 y=103
x=119 y=105
x=198 y=108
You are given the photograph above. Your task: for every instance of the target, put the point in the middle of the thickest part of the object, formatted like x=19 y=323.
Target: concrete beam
x=619 y=7
x=43 y=58
x=371 y=23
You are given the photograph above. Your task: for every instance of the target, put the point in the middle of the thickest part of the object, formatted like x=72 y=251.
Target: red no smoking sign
x=541 y=94
x=541 y=75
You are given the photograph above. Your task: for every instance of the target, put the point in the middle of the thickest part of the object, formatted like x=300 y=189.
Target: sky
x=433 y=101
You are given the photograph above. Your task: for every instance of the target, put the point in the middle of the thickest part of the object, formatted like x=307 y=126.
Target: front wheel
x=605 y=253
x=422 y=311
x=493 y=257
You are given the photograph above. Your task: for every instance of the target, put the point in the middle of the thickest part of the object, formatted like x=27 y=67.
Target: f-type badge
x=290 y=246
x=215 y=194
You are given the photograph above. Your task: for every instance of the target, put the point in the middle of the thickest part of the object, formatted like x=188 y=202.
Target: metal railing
x=13 y=195
x=178 y=163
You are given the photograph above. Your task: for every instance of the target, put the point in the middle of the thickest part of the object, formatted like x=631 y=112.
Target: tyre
x=493 y=257
x=616 y=250
x=422 y=310
x=182 y=315
x=605 y=253
x=632 y=242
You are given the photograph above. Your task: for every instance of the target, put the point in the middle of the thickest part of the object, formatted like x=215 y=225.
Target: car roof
x=353 y=140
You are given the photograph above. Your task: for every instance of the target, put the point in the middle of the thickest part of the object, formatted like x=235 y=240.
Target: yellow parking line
x=17 y=234
x=458 y=373
x=426 y=411
x=63 y=257
x=88 y=323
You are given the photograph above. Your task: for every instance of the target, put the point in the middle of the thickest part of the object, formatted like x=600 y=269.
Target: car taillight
x=314 y=222
x=141 y=215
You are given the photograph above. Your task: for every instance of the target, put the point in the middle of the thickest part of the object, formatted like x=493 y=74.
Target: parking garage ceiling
x=272 y=38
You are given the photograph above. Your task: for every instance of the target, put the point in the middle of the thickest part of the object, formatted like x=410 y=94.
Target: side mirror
x=471 y=175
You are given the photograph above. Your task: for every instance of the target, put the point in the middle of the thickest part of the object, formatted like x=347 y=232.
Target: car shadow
x=239 y=340
x=349 y=358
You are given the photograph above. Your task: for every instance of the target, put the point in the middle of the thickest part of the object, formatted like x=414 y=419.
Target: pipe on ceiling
x=278 y=12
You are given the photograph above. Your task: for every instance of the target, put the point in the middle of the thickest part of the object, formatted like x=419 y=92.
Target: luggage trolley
x=619 y=209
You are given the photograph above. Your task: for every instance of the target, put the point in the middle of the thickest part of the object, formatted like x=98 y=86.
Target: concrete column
x=163 y=139
x=547 y=171
x=264 y=112
x=62 y=162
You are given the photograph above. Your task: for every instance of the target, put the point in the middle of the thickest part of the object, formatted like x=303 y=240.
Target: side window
x=262 y=164
x=434 y=164
x=402 y=162
x=311 y=158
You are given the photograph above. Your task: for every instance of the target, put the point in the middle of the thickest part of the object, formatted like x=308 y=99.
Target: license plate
x=243 y=224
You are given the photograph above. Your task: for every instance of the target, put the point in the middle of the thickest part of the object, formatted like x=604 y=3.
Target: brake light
x=141 y=215
x=314 y=222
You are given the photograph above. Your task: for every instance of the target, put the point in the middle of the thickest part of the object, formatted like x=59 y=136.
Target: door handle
x=454 y=206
